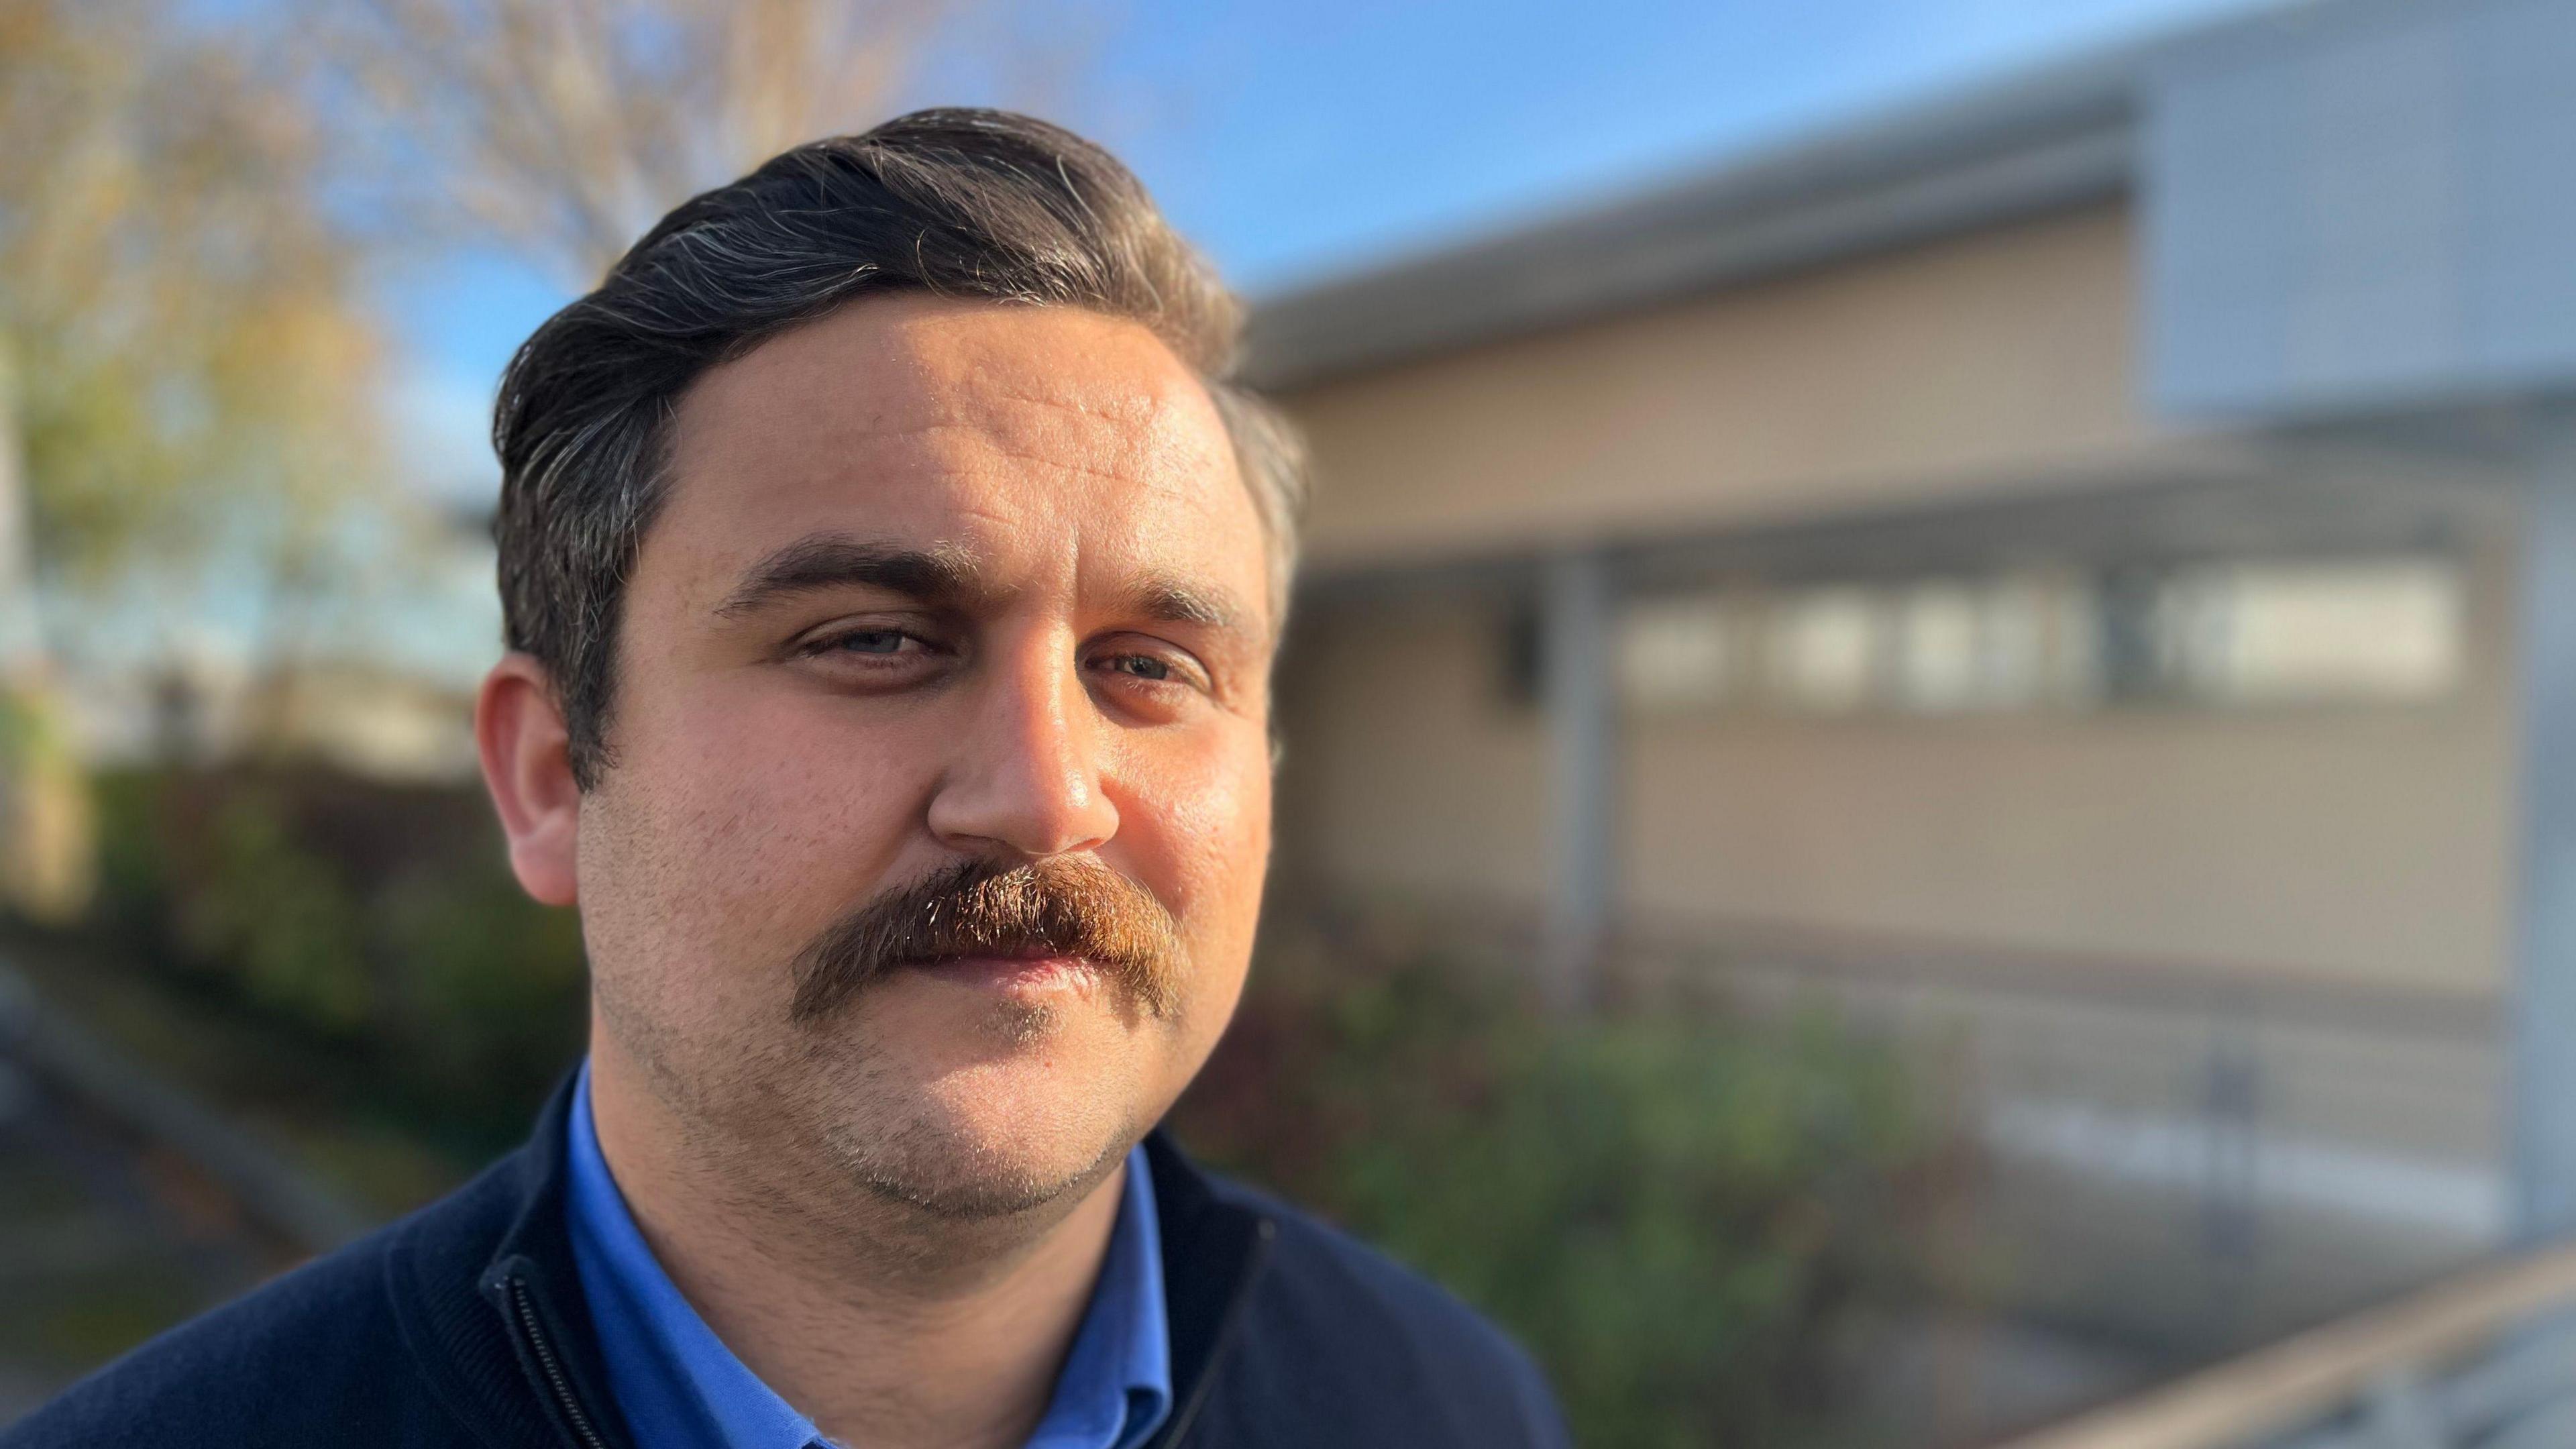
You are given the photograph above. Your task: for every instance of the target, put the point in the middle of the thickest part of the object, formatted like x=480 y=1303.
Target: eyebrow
x=941 y=574
x=1173 y=601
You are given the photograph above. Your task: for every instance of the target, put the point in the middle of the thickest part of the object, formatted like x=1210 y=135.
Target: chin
x=1026 y=1110
x=965 y=1165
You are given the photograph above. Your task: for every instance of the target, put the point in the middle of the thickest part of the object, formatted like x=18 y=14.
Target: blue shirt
x=681 y=1388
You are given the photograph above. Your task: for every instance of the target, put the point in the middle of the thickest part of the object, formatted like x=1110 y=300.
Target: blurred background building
x=2054 y=567
x=1920 y=787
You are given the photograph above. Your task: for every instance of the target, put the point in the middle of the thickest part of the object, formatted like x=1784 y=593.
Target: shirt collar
x=1116 y=1386
x=679 y=1385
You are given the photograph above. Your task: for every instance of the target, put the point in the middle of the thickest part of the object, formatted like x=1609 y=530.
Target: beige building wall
x=2002 y=355
x=2371 y=843
x=1404 y=771
x=2353 y=843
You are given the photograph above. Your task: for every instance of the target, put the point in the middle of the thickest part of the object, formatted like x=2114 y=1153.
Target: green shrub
x=379 y=923
x=284 y=919
x=1693 y=1221
x=495 y=992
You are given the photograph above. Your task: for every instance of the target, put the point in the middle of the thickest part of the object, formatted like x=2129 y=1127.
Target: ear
x=527 y=765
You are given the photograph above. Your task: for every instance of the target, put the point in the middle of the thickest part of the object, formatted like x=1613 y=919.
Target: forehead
x=1022 y=434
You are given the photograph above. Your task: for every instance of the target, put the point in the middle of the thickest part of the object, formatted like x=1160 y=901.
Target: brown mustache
x=986 y=908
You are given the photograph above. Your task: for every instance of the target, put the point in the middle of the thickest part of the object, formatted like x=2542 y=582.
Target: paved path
x=125 y=1204
x=102 y=1242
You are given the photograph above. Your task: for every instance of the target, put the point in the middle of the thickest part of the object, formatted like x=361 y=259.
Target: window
x=2229 y=633
x=2307 y=631
x=1679 y=652
x=1972 y=644
x=1823 y=648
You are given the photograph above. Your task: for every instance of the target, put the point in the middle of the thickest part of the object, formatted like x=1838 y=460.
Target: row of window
x=2384 y=629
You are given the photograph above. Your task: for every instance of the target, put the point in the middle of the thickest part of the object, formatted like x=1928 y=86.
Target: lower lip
x=1015 y=973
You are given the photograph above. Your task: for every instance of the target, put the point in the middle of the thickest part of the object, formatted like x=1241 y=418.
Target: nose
x=1024 y=776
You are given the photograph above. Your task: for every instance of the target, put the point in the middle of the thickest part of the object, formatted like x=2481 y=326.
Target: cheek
x=750 y=821
x=1196 y=826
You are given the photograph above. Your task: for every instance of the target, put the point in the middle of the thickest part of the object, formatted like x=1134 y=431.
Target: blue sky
x=1298 y=138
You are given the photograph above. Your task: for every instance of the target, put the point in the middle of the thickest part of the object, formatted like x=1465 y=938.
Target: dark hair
x=961 y=203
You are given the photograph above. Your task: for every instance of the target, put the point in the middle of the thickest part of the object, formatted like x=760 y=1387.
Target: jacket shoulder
x=320 y=1355
x=1357 y=1349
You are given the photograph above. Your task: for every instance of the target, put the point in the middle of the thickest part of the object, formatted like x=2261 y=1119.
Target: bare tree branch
x=563 y=128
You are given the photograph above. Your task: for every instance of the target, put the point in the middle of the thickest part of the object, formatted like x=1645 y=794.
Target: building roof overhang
x=2048 y=141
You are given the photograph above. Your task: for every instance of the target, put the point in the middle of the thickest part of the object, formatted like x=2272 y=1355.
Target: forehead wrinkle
x=1134 y=418
x=968 y=401
x=1138 y=432
x=935 y=358
x=1127 y=434
x=1120 y=404
x=1131 y=414
x=1161 y=463
x=1111 y=474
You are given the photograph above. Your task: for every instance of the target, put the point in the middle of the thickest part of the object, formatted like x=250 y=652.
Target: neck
x=883 y=1324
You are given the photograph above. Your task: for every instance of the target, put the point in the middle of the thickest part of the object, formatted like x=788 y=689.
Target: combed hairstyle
x=975 y=204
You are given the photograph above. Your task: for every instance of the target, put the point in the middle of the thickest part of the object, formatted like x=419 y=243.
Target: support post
x=1575 y=653
x=2542 y=1004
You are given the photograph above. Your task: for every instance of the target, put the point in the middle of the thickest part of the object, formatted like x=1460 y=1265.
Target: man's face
x=940 y=590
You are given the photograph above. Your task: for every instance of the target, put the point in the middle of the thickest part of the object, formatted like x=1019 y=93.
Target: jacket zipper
x=545 y=1352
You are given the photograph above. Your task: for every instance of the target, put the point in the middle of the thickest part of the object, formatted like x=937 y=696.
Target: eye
x=867 y=641
x=881 y=646
x=1154 y=678
x=1142 y=666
